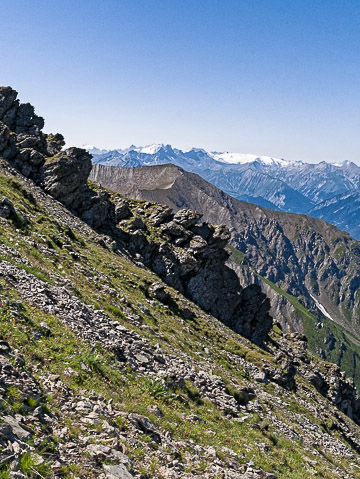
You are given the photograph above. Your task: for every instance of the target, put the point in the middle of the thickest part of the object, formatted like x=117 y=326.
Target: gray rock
x=137 y=224
x=122 y=211
x=5 y=430
x=116 y=472
x=4 y=135
x=173 y=228
x=21 y=433
x=161 y=215
x=159 y=292
x=4 y=347
x=65 y=176
x=187 y=218
x=7 y=99
x=6 y=208
x=143 y=423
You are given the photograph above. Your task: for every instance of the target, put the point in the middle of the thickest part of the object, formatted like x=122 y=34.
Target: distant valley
x=324 y=190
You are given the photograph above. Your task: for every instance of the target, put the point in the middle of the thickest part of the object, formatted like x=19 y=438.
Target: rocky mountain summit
x=308 y=268
x=112 y=362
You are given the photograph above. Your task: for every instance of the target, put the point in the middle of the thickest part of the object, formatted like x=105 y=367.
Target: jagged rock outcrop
x=192 y=259
x=39 y=156
x=22 y=142
x=64 y=176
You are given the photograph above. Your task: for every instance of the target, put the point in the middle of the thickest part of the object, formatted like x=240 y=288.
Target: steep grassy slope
x=102 y=377
x=304 y=257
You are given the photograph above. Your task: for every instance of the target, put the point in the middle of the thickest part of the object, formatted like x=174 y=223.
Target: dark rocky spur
x=39 y=156
x=192 y=259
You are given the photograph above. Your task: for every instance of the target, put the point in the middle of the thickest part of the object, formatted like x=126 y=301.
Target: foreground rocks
x=108 y=442
x=108 y=370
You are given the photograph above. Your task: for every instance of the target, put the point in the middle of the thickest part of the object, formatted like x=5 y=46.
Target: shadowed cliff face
x=303 y=256
x=37 y=155
x=189 y=257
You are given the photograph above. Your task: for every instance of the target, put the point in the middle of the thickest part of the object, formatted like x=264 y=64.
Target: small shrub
x=33 y=470
x=115 y=310
x=156 y=389
x=193 y=392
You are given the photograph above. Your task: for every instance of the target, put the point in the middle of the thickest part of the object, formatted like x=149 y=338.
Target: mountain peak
x=148 y=149
x=241 y=158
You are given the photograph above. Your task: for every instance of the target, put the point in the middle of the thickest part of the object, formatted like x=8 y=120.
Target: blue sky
x=270 y=77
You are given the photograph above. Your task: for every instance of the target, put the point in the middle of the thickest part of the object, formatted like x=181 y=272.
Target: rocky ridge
x=192 y=262
x=108 y=371
x=291 y=186
x=300 y=262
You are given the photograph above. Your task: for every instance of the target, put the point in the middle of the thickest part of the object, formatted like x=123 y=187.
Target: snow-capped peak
x=148 y=149
x=241 y=158
x=345 y=164
x=94 y=150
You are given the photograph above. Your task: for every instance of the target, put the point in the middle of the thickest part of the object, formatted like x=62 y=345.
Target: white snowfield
x=321 y=308
x=149 y=149
x=241 y=158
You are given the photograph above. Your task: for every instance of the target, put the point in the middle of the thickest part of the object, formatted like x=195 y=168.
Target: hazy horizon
x=275 y=79
x=197 y=147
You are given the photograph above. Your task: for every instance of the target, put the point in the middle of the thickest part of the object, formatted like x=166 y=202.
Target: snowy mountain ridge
x=278 y=184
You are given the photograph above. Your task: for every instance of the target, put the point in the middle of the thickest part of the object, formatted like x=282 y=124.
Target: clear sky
x=270 y=77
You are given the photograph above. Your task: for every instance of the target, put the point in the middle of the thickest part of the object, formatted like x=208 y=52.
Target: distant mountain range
x=330 y=191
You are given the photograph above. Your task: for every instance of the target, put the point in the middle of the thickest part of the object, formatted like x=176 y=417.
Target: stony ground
x=106 y=371
x=112 y=362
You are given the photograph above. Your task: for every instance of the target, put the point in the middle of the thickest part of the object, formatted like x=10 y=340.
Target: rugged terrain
x=342 y=211
x=277 y=184
x=308 y=268
x=108 y=371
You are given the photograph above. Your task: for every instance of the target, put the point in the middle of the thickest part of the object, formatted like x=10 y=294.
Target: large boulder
x=65 y=176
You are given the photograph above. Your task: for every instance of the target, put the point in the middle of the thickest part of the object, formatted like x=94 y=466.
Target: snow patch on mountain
x=242 y=158
x=149 y=149
x=321 y=308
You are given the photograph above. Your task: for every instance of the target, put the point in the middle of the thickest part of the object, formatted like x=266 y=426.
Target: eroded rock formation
x=39 y=156
x=191 y=259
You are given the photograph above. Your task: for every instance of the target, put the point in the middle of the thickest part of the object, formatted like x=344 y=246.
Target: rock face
x=191 y=259
x=65 y=176
x=22 y=142
x=342 y=211
x=39 y=156
x=305 y=257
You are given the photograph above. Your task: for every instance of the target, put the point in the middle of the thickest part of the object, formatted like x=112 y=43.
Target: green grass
x=119 y=287
x=346 y=352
